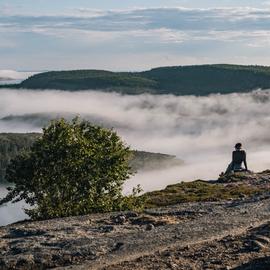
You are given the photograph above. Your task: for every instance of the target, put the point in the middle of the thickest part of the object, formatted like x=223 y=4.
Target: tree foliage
x=74 y=168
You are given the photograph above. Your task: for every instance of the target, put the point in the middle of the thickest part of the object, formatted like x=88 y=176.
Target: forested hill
x=181 y=80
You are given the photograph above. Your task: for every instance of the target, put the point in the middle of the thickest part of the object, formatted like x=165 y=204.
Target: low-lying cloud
x=12 y=76
x=199 y=130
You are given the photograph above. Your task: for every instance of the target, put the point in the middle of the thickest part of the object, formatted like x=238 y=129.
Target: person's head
x=238 y=146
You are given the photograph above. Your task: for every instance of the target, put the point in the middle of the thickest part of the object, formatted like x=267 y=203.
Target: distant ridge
x=179 y=80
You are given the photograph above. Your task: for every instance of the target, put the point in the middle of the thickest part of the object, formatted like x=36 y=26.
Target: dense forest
x=11 y=144
x=180 y=80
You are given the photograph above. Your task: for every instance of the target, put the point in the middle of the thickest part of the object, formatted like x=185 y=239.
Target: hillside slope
x=179 y=80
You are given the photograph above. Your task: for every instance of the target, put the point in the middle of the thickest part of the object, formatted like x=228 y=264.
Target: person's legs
x=229 y=169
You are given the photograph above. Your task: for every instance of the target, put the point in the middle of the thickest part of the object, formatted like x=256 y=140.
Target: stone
x=120 y=219
x=106 y=228
x=150 y=227
x=25 y=260
x=118 y=246
x=131 y=215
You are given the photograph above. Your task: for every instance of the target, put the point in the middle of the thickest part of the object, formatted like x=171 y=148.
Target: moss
x=197 y=191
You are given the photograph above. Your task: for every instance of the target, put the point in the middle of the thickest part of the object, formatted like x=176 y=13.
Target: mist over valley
x=201 y=131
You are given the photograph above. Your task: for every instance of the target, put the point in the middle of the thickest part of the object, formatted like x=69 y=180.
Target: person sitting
x=238 y=157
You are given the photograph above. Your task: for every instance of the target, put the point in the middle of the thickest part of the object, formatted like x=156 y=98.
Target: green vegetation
x=12 y=144
x=181 y=80
x=198 y=191
x=74 y=168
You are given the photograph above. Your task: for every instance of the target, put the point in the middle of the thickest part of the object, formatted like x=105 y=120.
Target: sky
x=131 y=35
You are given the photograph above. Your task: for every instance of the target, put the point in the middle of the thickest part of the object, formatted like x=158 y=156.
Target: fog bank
x=11 y=76
x=199 y=130
x=15 y=75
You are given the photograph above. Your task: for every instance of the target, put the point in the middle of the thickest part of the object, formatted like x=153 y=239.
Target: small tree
x=75 y=168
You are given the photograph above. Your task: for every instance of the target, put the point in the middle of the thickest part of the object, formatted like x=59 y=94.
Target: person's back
x=238 y=157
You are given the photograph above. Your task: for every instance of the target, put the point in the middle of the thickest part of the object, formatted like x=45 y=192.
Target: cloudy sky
x=132 y=34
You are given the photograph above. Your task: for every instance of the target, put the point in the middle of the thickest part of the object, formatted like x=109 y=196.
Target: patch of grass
x=198 y=191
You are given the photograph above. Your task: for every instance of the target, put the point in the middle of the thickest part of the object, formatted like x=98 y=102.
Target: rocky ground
x=249 y=250
x=231 y=234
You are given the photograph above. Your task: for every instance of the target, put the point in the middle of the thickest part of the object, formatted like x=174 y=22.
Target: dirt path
x=109 y=240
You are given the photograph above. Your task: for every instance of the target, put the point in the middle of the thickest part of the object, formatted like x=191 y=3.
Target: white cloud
x=88 y=12
x=165 y=33
x=174 y=19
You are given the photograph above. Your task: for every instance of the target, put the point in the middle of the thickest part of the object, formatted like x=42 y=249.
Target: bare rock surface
x=206 y=235
x=247 y=251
